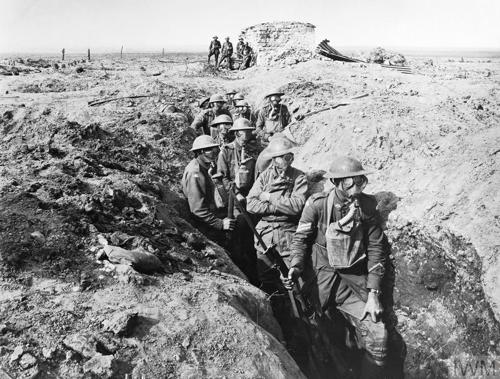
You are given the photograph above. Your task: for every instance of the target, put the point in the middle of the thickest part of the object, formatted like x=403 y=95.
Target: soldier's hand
x=264 y=196
x=372 y=307
x=240 y=198
x=228 y=224
x=293 y=274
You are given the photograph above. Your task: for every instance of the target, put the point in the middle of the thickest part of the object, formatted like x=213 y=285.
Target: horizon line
x=192 y=49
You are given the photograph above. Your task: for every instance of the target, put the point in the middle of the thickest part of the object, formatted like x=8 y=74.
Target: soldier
x=220 y=129
x=237 y=159
x=273 y=117
x=214 y=49
x=242 y=110
x=202 y=121
x=278 y=196
x=239 y=48
x=236 y=163
x=338 y=247
x=230 y=98
x=247 y=55
x=199 y=189
x=227 y=53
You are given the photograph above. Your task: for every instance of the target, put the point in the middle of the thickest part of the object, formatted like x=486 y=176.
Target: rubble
x=281 y=42
x=387 y=57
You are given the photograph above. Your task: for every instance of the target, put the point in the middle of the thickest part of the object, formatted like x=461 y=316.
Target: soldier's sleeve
x=261 y=120
x=254 y=204
x=223 y=167
x=294 y=204
x=375 y=248
x=287 y=118
x=195 y=184
x=304 y=235
x=198 y=122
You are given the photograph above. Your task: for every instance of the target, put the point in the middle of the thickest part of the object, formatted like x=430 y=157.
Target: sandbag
x=140 y=259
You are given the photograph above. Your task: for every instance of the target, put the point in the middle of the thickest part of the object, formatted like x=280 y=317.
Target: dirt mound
x=78 y=179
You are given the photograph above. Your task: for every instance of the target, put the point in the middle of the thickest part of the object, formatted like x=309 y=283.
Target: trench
x=439 y=307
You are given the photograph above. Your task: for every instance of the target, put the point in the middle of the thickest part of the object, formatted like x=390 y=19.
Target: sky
x=35 y=26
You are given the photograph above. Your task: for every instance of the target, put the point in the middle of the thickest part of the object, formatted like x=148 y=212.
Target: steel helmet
x=232 y=92
x=216 y=98
x=345 y=167
x=274 y=93
x=215 y=37
x=222 y=119
x=203 y=102
x=279 y=146
x=203 y=142
x=242 y=103
x=241 y=124
x=238 y=96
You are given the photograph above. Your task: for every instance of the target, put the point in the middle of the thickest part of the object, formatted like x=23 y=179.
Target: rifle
x=275 y=260
x=318 y=346
x=230 y=208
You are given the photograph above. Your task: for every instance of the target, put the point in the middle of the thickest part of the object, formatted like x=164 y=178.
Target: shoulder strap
x=329 y=207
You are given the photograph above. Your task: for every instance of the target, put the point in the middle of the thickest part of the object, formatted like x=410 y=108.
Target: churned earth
x=77 y=180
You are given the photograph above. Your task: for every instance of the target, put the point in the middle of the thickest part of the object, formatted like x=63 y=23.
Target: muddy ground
x=75 y=178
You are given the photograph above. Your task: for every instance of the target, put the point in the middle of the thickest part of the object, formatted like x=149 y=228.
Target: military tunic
x=270 y=122
x=347 y=288
x=204 y=119
x=279 y=216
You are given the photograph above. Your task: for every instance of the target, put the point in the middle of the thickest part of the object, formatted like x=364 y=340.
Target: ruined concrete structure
x=281 y=42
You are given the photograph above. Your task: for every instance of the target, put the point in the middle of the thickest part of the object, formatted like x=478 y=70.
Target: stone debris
x=281 y=42
x=16 y=354
x=100 y=365
x=383 y=56
x=121 y=323
x=83 y=344
x=27 y=361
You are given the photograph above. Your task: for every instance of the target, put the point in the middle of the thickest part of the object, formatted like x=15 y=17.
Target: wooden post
x=88 y=54
x=163 y=52
x=121 y=53
x=63 y=51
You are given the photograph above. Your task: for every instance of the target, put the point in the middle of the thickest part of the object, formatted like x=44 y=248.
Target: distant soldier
x=242 y=110
x=239 y=48
x=230 y=98
x=273 y=117
x=220 y=129
x=214 y=49
x=247 y=55
x=237 y=159
x=202 y=121
x=237 y=97
x=199 y=189
x=227 y=53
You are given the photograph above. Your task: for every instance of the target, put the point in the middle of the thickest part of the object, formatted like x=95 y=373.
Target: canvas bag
x=344 y=248
x=243 y=178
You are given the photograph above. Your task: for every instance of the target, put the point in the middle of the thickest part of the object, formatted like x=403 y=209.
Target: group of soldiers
x=244 y=53
x=332 y=242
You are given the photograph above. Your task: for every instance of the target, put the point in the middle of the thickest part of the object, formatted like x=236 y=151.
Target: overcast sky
x=188 y=25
